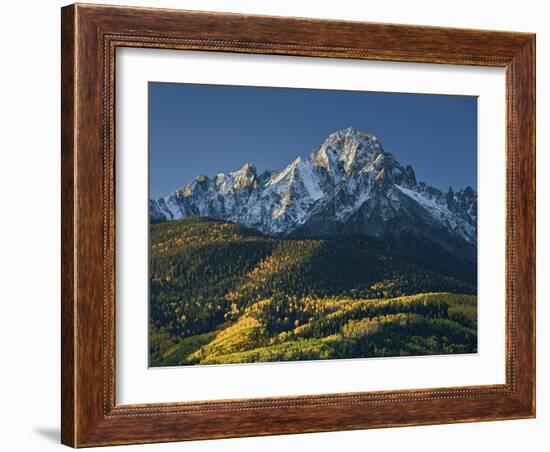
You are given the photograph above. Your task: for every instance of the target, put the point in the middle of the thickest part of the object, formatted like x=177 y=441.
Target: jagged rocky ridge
x=348 y=185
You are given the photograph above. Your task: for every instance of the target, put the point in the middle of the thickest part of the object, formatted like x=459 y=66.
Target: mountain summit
x=348 y=185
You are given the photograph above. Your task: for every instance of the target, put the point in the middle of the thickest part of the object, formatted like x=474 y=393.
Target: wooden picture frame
x=90 y=36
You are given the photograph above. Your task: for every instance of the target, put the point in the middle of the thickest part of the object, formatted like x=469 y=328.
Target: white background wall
x=29 y=178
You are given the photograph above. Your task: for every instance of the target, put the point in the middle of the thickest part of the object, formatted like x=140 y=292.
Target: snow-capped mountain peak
x=349 y=184
x=244 y=178
x=346 y=151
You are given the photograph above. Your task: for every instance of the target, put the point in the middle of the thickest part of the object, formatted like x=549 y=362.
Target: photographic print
x=290 y=224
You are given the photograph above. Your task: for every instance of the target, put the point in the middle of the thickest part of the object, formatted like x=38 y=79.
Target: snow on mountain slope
x=349 y=183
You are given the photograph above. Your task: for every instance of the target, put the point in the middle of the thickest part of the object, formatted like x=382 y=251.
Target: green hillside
x=222 y=293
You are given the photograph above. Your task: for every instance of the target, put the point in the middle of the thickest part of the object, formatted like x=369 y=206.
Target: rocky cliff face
x=348 y=185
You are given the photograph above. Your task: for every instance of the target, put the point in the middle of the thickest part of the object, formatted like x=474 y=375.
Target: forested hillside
x=222 y=293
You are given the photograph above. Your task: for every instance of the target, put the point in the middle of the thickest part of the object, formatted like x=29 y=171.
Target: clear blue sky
x=207 y=129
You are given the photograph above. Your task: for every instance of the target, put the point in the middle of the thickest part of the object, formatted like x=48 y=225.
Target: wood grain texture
x=90 y=36
x=68 y=388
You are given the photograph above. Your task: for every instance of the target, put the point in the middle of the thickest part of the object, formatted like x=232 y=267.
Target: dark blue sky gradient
x=207 y=129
